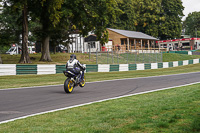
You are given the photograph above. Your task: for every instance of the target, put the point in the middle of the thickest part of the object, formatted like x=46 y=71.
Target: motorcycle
x=73 y=80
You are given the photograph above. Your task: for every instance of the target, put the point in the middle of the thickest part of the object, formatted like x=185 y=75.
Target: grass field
x=175 y=110
x=61 y=58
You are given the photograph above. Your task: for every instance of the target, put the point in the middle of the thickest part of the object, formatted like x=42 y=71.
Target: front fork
x=82 y=75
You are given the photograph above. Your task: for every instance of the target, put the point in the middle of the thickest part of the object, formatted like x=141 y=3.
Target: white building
x=92 y=45
x=76 y=44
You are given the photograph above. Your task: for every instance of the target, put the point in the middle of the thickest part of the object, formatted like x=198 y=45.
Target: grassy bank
x=167 y=57
x=54 y=79
x=174 y=110
x=61 y=58
x=58 y=58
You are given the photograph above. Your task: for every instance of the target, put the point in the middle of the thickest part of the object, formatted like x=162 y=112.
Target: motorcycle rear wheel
x=68 y=85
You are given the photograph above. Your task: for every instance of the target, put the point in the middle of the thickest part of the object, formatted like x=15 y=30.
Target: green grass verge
x=168 y=57
x=18 y=81
x=174 y=110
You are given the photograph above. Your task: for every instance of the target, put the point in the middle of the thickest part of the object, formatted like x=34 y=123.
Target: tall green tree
x=69 y=15
x=48 y=12
x=159 y=18
x=127 y=18
x=148 y=16
x=191 y=25
x=24 y=56
x=172 y=13
x=21 y=6
x=9 y=26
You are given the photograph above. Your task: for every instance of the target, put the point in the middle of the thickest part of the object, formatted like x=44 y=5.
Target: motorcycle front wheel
x=82 y=83
x=68 y=85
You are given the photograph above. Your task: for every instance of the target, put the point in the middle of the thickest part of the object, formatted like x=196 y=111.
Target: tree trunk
x=0 y=59
x=25 y=56
x=54 y=49
x=68 y=48
x=45 y=49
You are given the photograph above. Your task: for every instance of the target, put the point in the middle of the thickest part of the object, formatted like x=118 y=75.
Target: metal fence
x=127 y=57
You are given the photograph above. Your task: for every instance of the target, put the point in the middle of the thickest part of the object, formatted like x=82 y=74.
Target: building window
x=122 y=42
x=132 y=43
x=93 y=45
x=125 y=41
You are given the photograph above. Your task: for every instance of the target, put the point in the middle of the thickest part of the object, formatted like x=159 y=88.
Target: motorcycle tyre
x=67 y=85
x=82 y=84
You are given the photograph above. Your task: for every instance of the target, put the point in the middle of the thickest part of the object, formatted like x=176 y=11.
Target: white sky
x=190 y=6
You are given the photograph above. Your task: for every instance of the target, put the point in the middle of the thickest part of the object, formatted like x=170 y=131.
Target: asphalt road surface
x=16 y=103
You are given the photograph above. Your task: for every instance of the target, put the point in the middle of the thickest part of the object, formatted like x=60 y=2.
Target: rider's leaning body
x=73 y=65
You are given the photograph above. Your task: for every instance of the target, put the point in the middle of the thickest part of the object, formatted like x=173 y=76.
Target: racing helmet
x=72 y=57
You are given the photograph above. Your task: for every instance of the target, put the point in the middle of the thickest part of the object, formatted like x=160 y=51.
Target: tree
x=172 y=13
x=147 y=16
x=191 y=25
x=48 y=12
x=66 y=16
x=9 y=27
x=159 y=18
x=25 y=56
x=21 y=6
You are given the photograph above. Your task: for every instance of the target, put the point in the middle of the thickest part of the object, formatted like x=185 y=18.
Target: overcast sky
x=190 y=6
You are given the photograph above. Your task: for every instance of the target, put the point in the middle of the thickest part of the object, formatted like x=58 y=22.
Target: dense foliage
x=192 y=24
x=159 y=18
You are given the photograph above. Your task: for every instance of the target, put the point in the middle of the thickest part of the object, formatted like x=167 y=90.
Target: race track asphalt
x=16 y=103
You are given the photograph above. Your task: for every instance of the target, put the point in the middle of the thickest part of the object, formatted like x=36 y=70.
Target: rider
x=75 y=66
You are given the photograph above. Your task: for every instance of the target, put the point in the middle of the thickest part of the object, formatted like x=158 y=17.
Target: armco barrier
x=114 y=68
x=154 y=65
x=46 y=69
x=91 y=68
x=103 y=68
x=160 y=65
x=123 y=67
x=147 y=66
x=7 y=69
x=185 y=62
x=132 y=67
x=13 y=69
x=60 y=68
x=26 y=69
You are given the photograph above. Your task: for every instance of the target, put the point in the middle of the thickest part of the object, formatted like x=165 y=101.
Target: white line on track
x=79 y=105
x=100 y=81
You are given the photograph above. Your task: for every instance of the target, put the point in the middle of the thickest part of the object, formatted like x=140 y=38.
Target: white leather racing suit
x=74 y=66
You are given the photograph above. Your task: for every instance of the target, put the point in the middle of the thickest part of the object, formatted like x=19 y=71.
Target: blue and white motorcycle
x=73 y=80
